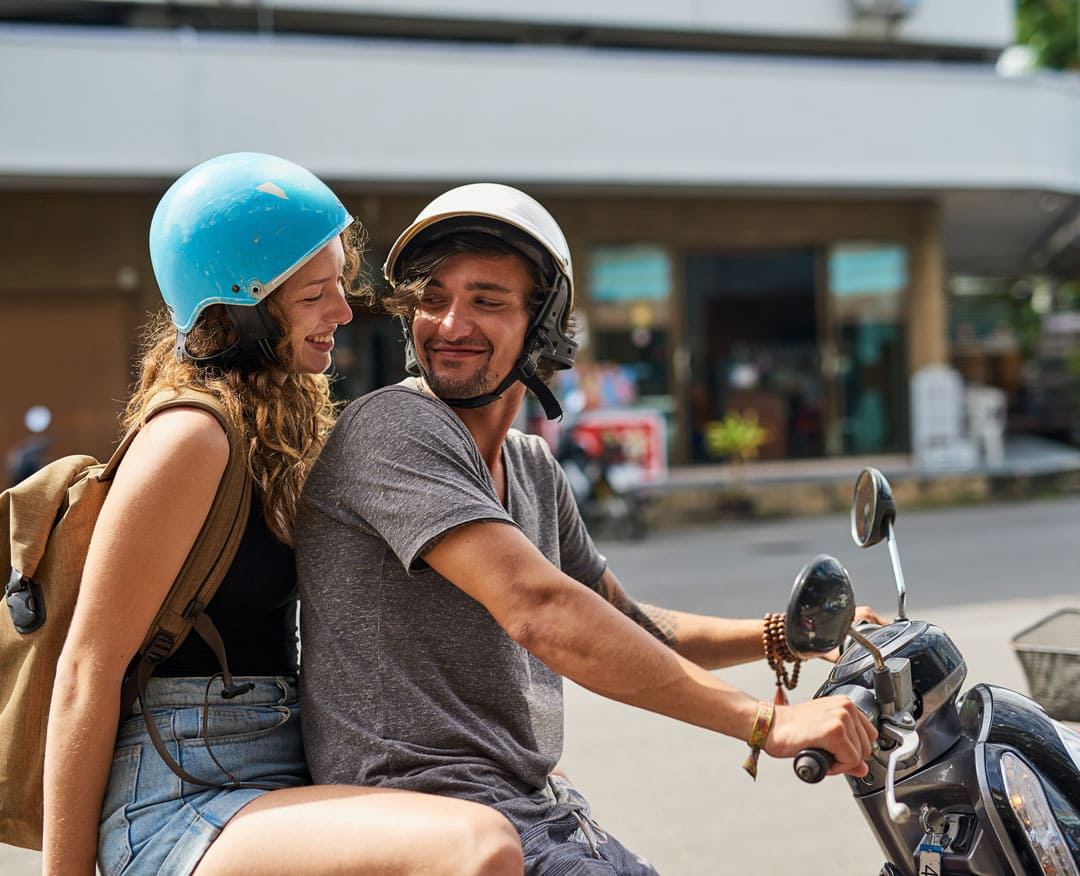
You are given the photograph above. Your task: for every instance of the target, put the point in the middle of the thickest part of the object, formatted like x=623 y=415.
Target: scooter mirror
x=821 y=608
x=872 y=508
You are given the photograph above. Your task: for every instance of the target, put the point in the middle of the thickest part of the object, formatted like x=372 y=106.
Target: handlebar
x=811 y=764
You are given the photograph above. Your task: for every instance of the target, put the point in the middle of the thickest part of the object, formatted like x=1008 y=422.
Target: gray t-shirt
x=407 y=682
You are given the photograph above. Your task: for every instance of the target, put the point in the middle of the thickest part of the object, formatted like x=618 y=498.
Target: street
x=677 y=794
x=950 y=556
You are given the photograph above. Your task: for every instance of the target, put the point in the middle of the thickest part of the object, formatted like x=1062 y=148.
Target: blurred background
x=784 y=210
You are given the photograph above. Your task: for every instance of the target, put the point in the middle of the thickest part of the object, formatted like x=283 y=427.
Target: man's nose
x=456 y=322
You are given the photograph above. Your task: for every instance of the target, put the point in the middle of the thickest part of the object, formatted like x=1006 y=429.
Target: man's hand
x=830 y=723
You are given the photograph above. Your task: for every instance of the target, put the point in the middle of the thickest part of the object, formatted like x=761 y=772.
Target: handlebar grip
x=811 y=764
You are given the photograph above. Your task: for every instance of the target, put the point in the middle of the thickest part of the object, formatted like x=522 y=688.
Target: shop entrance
x=753 y=334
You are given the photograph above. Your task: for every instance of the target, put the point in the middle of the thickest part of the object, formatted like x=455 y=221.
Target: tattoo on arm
x=658 y=622
x=661 y=623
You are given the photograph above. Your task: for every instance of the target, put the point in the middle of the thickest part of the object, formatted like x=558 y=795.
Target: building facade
x=769 y=205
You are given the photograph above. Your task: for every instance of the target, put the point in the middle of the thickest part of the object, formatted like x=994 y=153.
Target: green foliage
x=738 y=436
x=1052 y=29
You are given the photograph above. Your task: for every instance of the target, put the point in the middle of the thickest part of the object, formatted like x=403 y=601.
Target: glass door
x=863 y=344
x=752 y=332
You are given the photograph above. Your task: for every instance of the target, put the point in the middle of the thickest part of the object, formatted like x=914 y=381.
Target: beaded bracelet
x=777 y=652
x=762 y=725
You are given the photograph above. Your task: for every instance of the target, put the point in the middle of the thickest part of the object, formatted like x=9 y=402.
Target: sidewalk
x=692 y=494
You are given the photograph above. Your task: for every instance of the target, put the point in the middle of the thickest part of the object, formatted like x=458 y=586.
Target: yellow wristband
x=762 y=726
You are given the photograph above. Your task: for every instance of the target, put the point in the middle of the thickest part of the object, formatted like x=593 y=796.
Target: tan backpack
x=45 y=526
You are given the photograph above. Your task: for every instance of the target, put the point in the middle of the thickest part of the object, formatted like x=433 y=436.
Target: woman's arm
x=160 y=497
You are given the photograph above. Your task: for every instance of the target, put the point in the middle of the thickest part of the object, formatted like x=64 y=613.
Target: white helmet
x=523 y=223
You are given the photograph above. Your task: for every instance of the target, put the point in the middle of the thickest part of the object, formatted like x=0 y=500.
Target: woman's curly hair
x=283 y=421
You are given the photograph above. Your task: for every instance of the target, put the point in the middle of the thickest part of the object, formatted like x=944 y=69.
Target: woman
x=252 y=255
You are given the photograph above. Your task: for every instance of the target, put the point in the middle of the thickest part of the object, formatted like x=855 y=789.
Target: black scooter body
x=978 y=781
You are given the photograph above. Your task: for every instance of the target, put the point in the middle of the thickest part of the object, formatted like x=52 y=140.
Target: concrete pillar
x=927 y=316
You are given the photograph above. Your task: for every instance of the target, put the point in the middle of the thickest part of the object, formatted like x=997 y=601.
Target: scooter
x=980 y=782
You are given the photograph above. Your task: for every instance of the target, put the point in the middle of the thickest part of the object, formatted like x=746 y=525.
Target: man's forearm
x=596 y=649
x=579 y=635
x=658 y=622
x=711 y=642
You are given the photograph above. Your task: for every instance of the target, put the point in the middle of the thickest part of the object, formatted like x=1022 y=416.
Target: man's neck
x=489 y=424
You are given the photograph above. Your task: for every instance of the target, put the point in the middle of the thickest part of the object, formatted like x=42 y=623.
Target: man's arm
x=582 y=637
x=710 y=642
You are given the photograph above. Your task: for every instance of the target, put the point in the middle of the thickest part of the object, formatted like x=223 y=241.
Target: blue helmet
x=233 y=229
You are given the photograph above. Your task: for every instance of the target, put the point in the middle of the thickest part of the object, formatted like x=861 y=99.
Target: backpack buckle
x=25 y=601
x=159 y=648
x=235 y=689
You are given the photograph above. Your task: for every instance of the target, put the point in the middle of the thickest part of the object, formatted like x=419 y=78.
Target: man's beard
x=448 y=384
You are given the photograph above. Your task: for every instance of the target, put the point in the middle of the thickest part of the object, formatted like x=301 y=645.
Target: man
x=448 y=582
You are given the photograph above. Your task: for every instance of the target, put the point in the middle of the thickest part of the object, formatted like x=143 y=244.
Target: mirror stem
x=879 y=661
x=894 y=555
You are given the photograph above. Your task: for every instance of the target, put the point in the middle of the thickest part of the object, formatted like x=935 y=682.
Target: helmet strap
x=256 y=336
x=544 y=339
x=524 y=370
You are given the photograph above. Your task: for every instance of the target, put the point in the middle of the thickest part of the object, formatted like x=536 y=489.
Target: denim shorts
x=574 y=844
x=154 y=822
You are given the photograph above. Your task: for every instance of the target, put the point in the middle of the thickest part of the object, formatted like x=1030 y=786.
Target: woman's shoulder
x=184 y=435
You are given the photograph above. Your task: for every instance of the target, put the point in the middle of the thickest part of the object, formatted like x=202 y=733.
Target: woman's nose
x=342 y=313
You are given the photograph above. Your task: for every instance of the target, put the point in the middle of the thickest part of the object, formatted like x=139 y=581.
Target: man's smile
x=456 y=352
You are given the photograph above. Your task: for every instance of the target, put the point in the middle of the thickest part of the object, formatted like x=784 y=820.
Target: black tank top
x=254 y=609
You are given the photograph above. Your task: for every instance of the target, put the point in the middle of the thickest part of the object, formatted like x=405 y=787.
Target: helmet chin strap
x=552 y=409
x=256 y=336
x=523 y=370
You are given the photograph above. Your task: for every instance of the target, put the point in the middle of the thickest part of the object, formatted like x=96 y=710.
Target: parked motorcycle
x=605 y=485
x=980 y=782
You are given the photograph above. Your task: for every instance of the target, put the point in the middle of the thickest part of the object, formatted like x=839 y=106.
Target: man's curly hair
x=417 y=268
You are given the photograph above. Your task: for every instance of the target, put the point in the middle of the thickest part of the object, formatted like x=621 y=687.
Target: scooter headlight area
x=1038 y=818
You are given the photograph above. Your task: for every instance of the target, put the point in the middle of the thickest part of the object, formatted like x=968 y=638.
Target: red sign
x=639 y=434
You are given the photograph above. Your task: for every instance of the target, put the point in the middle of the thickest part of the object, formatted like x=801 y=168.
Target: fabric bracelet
x=762 y=725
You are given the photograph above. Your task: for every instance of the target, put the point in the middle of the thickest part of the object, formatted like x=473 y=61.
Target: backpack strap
x=210 y=556
x=198 y=581
x=205 y=628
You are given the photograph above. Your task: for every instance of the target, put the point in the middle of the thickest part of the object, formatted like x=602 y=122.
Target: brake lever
x=900 y=730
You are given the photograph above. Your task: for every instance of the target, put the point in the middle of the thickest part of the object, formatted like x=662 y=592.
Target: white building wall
x=94 y=102
x=984 y=23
